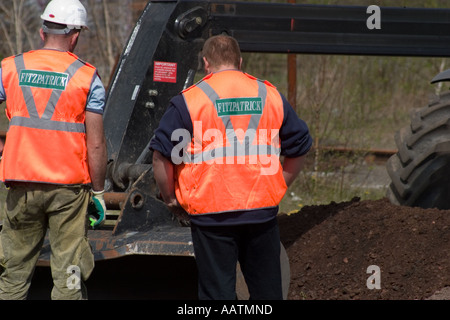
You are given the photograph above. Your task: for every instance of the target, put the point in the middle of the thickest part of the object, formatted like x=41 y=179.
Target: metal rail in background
x=327 y=29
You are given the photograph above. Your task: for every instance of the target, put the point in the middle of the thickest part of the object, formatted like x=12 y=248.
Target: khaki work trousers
x=30 y=211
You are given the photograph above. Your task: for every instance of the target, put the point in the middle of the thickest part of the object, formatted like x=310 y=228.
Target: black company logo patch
x=43 y=79
x=238 y=106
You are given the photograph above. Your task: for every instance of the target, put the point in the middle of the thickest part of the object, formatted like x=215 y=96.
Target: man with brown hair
x=54 y=158
x=226 y=173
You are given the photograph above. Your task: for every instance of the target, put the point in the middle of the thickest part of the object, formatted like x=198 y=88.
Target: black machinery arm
x=161 y=56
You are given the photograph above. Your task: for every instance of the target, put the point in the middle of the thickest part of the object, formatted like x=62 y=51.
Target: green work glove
x=97 y=209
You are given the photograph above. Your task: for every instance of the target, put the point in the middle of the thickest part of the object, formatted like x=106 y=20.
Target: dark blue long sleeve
x=176 y=117
x=294 y=133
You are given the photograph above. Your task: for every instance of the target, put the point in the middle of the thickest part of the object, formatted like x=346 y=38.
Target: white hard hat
x=69 y=12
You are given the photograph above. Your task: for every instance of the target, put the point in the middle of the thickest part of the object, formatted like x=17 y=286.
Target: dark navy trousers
x=257 y=248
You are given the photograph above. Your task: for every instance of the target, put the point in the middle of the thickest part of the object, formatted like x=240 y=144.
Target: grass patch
x=341 y=180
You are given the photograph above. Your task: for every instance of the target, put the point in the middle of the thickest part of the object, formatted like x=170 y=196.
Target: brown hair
x=222 y=50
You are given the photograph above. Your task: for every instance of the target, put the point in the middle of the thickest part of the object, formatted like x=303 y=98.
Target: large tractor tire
x=420 y=170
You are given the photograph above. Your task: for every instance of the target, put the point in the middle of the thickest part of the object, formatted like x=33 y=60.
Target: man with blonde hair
x=226 y=172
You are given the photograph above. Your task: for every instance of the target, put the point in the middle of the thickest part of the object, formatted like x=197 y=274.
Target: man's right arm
x=296 y=142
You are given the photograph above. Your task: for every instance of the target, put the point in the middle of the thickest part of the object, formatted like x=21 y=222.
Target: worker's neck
x=223 y=68
x=57 y=45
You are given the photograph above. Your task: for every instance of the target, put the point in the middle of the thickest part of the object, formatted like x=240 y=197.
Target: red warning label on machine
x=165 y=71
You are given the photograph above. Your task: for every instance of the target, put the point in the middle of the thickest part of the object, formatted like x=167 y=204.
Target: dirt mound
x=330 y=248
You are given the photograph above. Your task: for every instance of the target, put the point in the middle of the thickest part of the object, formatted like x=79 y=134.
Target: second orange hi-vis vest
x=46 y=94
x=232 y=162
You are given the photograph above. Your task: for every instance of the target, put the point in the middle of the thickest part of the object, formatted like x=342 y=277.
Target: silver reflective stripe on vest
x=44 y=122
x=237 y=149
x=47 y=124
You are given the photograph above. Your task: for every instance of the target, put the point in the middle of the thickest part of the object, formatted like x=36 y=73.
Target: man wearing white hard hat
x=54 y=158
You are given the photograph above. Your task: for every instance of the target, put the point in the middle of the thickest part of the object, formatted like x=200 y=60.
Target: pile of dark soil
x=330 y=248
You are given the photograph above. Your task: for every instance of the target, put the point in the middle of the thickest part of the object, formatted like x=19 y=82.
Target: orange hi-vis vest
x=232 y=162
x=46 y=94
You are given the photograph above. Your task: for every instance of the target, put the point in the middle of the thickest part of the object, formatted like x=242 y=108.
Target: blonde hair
x=222 y=50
